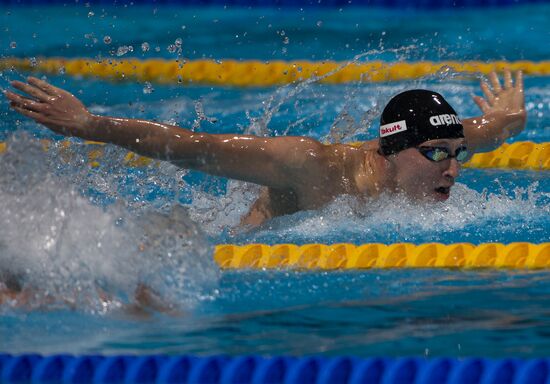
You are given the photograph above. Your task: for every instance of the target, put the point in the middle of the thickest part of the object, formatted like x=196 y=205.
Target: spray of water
x=66 y=251
x=468 y=215
x=259 y=125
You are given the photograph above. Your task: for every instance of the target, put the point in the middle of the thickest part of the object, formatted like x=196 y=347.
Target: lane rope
x=163 y=368
x=519 y=155
x=255 y=73
x=375 y=255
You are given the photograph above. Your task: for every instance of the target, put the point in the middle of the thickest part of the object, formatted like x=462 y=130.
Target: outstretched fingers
x=23 y=102
x=487 y=92
x=481 y=103
x=519 y=81
x=43 y=86
x=36 y=116
x=508 y=79
x=31 y=90
x=495 y=82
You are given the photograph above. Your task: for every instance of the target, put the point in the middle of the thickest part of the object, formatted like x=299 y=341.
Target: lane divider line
x=256 y=73
x=374 y=255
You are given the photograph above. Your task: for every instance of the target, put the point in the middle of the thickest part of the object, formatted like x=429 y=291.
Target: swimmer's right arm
x=504 y=113
x=281 y=162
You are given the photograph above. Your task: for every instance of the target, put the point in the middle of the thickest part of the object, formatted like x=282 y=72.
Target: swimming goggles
x=443 y=153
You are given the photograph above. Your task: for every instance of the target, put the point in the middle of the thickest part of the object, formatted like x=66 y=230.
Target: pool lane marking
x=400 y=255
x=256 y=73
x=519 y=155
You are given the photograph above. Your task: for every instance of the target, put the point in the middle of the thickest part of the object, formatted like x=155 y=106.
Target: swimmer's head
x=423 y=140
x=415 y=116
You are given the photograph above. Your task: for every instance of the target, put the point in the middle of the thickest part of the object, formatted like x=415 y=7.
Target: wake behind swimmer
x=57 y=249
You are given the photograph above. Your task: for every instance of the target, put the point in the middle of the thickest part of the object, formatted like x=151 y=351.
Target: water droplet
x=122 y=50
x=286 y=40
x=91 y=14
x=145 y=47
x=171 y=48
x=33 y=61
x=148 y=88
x=319 y=23
x=13 y=45
x=107 y=40
x=178 y=42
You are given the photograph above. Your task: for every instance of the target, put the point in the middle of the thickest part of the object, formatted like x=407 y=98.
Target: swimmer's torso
x=353 y=171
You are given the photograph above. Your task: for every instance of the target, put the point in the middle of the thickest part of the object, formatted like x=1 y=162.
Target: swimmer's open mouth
x=443 y=190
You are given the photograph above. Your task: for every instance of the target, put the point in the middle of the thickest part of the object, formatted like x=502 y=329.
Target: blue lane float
x=423 y=4
x=34 y=368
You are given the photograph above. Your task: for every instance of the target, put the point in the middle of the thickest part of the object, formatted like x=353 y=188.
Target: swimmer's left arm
x=504 y=114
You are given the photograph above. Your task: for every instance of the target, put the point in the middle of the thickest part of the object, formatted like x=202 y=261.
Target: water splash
x=220 y=216
x=468 y=215
x=259 y=125
x=201 y=116
x=66 y=251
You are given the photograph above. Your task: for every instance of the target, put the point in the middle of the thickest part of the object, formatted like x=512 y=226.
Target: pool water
x=68 y=229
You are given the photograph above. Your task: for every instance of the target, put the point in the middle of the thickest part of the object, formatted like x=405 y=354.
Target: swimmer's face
x=421 y=178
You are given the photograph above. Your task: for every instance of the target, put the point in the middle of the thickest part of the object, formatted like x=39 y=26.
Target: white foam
x=387 y=219
x=65 y=248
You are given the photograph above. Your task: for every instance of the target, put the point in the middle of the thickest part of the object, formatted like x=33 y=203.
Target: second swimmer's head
x=421 y=134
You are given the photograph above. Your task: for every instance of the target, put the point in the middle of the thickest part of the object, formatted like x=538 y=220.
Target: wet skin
x=298 y=173
x=407 y=172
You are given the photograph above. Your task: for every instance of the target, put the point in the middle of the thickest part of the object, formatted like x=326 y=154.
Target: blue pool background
x=424 y=312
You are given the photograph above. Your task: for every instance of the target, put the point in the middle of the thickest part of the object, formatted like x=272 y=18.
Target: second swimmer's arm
x=504 y=114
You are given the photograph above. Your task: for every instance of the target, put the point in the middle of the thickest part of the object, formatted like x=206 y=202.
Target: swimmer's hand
x=504 y=114
x=53 y=107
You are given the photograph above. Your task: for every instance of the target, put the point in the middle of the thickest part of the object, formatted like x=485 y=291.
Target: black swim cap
x=415 y=116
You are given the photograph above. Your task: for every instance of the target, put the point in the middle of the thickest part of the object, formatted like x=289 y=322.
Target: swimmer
x=421 y=145
x=145 y=303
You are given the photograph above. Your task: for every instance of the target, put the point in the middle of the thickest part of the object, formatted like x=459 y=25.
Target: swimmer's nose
x=453 y=170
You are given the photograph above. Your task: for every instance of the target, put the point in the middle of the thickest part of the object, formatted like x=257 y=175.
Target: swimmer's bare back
x=298 y=172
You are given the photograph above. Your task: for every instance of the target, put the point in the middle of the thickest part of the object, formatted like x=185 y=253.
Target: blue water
x=68 y=228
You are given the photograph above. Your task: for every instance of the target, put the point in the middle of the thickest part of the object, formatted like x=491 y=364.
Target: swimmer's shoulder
x=369 y=168
x=359 y=164
x=354 y=154
x=368 y=144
